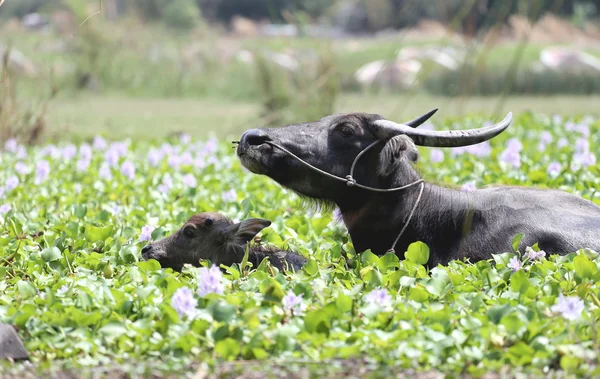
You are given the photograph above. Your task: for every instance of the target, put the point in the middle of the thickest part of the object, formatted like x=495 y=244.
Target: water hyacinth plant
x=75 y=218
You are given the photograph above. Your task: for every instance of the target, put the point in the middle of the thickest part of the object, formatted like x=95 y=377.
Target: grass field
x=120 y=117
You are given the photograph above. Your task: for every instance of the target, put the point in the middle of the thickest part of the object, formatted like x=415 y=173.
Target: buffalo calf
x=215 y=237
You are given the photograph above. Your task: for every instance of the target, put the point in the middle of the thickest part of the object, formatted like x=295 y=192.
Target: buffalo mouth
x=256 y=158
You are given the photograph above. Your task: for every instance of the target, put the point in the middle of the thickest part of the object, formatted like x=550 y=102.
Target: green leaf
x=584 y=267
x=344 y=303
x=516 y=241
x=26 y=289
x=317 y=321
x=51 y=254
x=519 y=281
x=368 y=258
x=149 y=265
x=311 y=267
x=113 y=329
x=79 y=210
x=129 y=253
x=222 y=311
x=496 y=312
x=418 y=253
x=96 y=233
x=228 y=348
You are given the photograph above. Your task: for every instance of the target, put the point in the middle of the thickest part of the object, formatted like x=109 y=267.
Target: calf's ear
x=243 y=232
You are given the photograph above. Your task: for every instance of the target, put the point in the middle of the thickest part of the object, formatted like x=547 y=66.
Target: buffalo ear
x=243 y=232
x=396 y=150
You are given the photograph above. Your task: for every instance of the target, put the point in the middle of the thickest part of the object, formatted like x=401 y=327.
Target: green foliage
x=71 y=279
x=470 y=80
x=181 y=14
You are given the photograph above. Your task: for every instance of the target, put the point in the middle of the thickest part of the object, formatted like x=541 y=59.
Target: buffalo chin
x=254 y=160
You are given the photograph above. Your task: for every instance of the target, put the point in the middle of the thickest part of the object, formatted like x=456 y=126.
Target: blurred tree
x=181 y=14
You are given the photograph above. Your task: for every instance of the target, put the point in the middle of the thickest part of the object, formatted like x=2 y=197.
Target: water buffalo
x=364 y=164
x=215 y=237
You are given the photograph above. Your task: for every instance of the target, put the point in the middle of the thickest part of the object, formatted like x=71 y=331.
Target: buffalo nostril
x=146 y=249
x=255 y=137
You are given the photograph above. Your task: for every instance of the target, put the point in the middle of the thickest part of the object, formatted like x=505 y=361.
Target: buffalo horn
x=421 y=119
x=385 y=130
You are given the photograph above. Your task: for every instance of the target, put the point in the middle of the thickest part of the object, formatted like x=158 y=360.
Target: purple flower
x=104 y=171
x=582 y=145
x=174 y=161
x=42 y=171
x=5 y=208
x=563 y=142
x=570 y=126
x=62 y=290
x=112 y=157
x=184 y=303
x=436 y=156
x=189 y=180
x=128 y=169
x=154 y=157
x=185 y=138
x=379 y=297
x=11 y=145
x=541 y=147
x=11 y=183
x=514 y=145
x=69 y=152
x=514 y=264
x=21 y=168
x=52 y=151
x=554 y=169
x=166 y=149
x=77 y=188
x=337 y=215
x=85 y=152
x=546 y=137
x=82 y=165
x=586 y=159
x=468 y=187
x=120 y=148
x=583 y=129
x=21 y=152
x=209 y=281
x=186 y=159
x=480 y=150
x=167 y=184
x=99 y=143
x=534 y=255
x=146 y=234
x=212 y=160
x=229 y=196
x=569 y=307
x=556 y=120
x=511 y=157
x=210 y=147
x=293 y=303
x=199 y=162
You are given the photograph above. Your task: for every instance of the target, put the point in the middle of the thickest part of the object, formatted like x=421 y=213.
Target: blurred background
x=151 y=68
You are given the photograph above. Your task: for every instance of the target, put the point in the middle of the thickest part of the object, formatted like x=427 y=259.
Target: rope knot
x=350 y=181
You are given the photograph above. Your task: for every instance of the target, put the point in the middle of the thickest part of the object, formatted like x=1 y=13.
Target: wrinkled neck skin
x=374 y=220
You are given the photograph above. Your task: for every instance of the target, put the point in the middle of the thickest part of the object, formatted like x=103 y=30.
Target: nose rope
x=351 y=182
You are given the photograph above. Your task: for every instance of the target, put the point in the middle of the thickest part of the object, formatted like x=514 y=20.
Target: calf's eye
x=208 y=222
x=189 y=232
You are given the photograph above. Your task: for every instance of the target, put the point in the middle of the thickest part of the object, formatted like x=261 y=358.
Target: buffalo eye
x=208 y=222
x=345 y=130
x=189 y=231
